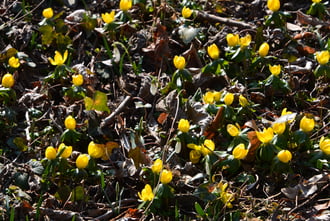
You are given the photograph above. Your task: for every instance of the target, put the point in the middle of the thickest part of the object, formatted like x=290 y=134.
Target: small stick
x=108 y=119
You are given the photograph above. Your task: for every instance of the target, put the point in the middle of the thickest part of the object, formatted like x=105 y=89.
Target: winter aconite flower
x=213 y=51
x=279 y=128
x=240 y=152
x=157 y=166
x=275 y=69
x=208 y=147
x=266 y=135
x=273 y=5
x=194 y=156
x=125 y=5
x=232 y=39
x=58 y=58
x=316 y=1
x=70 y=123
x=243 y=101
x=184 y=125
x=8 y=80
x=186 y=12
x=284 y=112
x=233 y=130
x=179 y=62
x=284 y=156
x=77 y=79
x=95 y=150
x=50 y=153
x=211 y=96
x=228 y=99
x=263 y=49
x=225 y=196
x=166 y=176
x=82 y=161
x=48 y=12
x=146 y=193
x=322 y=57
x=64 y=150
x=245 y=41
x=325 y=145
x=307 y=124
x=108 y=17
x=14 y=62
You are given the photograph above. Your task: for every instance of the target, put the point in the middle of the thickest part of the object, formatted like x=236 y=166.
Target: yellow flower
x=184 y=125
x=245 y=41
x=243 y=101
x=225 y=197
x=125 y=5
x=82 y=161
x=109 y=146
x=70 y=123
x=228 y=99
x=194 y=156
x=322 y=57
x=273 y=5
x=58 y=58
x=233 y=130
x=208 y=147
x=65 y=150
x=284 y=156
x=284 y=112
x=8 y=80
x=263 y=49
x=48 y=12
x=186 y=12
x=166 y=176
x=217 y=96
x=108 y=17
x=213 y=51
x=157 y=166
x=232 y=39
x=266 y=135
x=307 y=124
x=208 y=97
x=50 y=153
x=95 y=150
x=275 y=69
x=240 y=152
x=279 y=128
x=325 y=145
x=13 y=62
x=77 y=79
x=316 y=1
x=179 y=62
x=146 y=193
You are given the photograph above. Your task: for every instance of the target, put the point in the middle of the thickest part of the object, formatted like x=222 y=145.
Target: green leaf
x=99 y=102
x=78 y=194
x=199 y=210
x=266 y=152
x=48 y=34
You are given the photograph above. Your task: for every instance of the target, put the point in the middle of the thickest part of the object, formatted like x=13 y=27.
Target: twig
x=109 y=119
x=226 y=21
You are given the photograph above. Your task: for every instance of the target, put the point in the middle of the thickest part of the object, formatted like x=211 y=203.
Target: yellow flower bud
x=307 y=124
x=217 y=96
x=284 y=156
x=95 y=150
x=8 y=80
x=208 y=97
x=228 y=99
x=13 y=62
x=233 y=130
x=232 y=39
x=179 y=62
x=245 y=41
x=263 y=49
x=316 y=1
x=240 y=152
x=50 y=153
x=157 y=166
x=322 y=57
x=125 y=5
x=194 y=156
x=77 y=79
x=65 y=150
x=48 y=12
x=243 y=101
x=186 y=12
x=279 y=128
x=70 y=123
x=208 y=147
x=82 y=161
x=273 y=5
x=146 y=193
x=166 y=176
x=184 y=125
x=325 y=145
x=108 y=17
x=58 y=58
x=275 y=69
x=213 y=51
x=266 y=135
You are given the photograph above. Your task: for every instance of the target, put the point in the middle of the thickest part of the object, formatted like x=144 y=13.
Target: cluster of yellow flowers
x=63 y=150
x=102 y=151
x=198 y=150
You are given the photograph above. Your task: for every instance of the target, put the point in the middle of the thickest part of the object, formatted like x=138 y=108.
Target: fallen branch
x=109 y=119
x=227 y=21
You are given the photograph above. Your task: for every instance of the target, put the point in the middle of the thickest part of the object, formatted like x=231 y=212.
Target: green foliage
x=99 y=102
